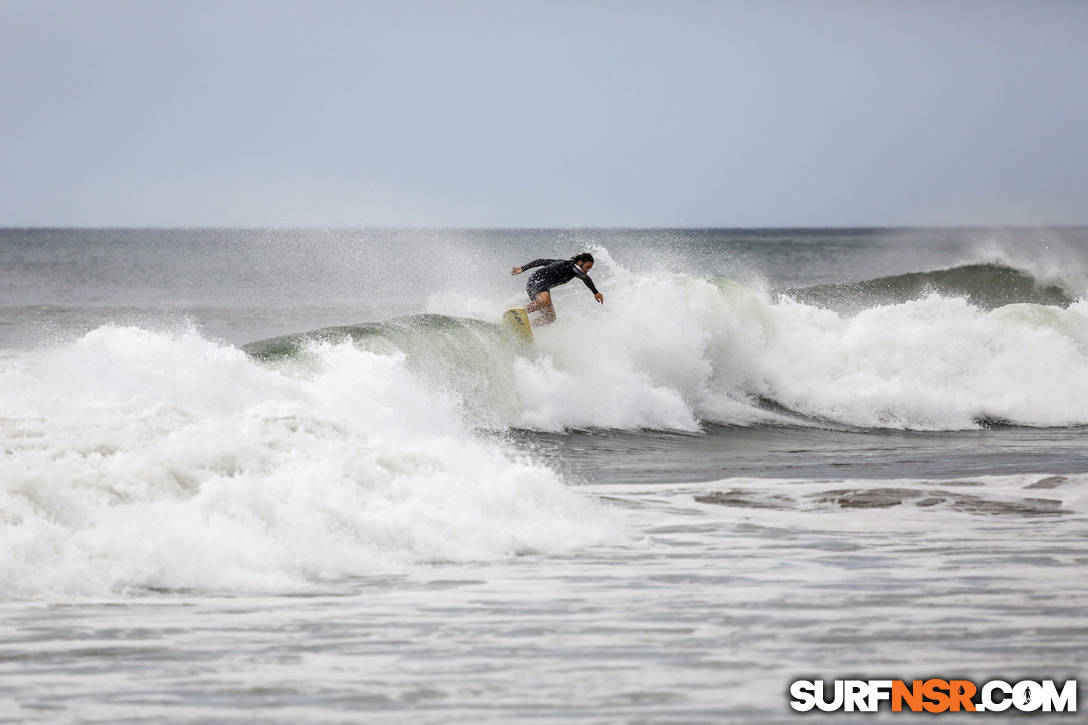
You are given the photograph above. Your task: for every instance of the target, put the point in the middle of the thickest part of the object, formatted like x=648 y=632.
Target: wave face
x=672 y=351
x=987 y=286
x=142 y=460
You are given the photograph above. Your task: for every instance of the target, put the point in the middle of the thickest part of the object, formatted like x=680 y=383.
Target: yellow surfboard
x=517 y=319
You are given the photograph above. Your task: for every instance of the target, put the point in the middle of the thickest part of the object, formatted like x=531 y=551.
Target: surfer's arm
x=530 y=265
x=592 y=288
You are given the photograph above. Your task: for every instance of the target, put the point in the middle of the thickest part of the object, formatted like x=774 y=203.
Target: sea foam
x=671 y=351
x=137 y=460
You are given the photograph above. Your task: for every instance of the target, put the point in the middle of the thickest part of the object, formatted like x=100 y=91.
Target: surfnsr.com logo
x=933 y=695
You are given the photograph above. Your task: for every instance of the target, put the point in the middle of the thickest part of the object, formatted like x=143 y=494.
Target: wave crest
x=672 y=351
x=987 y=286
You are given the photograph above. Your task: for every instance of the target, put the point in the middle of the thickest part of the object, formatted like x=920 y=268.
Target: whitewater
x=741 y=466
x=672 y=351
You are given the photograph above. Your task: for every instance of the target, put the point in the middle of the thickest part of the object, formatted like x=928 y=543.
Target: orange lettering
x=912 y=695
x=936 y=691
x=961 y=692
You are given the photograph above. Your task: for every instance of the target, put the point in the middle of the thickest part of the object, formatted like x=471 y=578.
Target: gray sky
x=132 y=113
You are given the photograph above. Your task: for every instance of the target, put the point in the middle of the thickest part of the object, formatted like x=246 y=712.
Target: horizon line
x=847 y=227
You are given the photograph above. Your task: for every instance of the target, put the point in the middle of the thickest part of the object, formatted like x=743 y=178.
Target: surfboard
x=517 y=319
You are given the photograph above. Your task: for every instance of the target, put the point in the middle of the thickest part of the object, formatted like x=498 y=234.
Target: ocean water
x=287 y=476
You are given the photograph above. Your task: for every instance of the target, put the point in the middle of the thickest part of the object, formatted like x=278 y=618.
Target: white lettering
x=1065 y=701
x=821 y=697
x=803 y=693
x=1027 y=696
x=988 y=702
x=879 y=690
x=856 y=695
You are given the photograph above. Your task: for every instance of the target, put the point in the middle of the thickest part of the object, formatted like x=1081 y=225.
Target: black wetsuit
x=555 y=272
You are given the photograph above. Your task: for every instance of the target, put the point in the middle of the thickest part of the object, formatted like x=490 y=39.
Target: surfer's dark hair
x=583 y=257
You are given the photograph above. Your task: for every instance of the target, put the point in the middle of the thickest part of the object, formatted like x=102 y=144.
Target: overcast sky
x=506 y=113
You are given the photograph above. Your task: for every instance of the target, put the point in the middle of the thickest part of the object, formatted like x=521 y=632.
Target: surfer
x=555 y=272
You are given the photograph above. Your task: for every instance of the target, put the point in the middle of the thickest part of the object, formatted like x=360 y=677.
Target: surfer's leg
x=543 y=302
x=540 y=300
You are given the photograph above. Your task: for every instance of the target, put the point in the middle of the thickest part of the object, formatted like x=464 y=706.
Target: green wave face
x=987 y=286
x=469 y=360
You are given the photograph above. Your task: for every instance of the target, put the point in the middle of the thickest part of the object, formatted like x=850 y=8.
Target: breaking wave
x=672 y=351
x=136 y=460
x=987 y=286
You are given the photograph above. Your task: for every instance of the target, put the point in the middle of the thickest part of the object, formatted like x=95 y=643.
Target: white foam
x=670 y=350
x=140 y=459
x=134 y=459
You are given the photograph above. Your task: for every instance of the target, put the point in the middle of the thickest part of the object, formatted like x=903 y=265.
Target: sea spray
x=670 y=351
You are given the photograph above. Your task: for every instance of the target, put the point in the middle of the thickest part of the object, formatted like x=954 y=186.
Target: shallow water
x=723 y=593
x=779 y=452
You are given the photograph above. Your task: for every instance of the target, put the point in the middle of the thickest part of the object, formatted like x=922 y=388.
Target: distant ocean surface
x=306 y=476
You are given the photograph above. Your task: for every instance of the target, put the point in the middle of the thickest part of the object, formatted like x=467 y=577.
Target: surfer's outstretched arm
x=530 y=265
x=592 y=288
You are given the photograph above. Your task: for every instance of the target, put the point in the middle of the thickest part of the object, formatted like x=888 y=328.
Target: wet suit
x=555 y=272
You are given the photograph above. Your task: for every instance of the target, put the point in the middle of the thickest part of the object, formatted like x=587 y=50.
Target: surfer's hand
x=599 y=297
x=516 y=270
